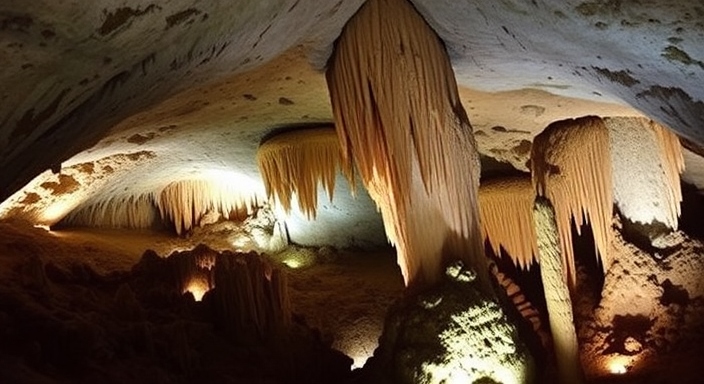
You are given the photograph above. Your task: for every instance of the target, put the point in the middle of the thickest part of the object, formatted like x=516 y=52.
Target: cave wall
x=175 y=81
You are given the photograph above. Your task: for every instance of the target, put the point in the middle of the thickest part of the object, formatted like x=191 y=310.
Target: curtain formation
x=296 y=162
x=400 y=120
x=182 y=203
x=506 y=212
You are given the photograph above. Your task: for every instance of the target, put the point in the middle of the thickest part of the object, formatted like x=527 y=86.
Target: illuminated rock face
x=452 y=333
x=646 y=162
x=650 y=316
x=172 y=79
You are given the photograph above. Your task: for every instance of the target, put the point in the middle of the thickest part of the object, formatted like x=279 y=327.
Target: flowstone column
x=557 y=295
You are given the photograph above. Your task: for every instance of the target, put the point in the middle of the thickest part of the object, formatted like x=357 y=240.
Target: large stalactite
x=399 y=118
x=571 y=166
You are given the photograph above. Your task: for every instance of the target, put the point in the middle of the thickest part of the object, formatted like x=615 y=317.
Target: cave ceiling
x=167 y=90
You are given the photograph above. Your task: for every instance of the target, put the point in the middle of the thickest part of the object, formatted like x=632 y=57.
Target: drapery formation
x=182 y=203
x=295 y=162
x=399 y=118
x=506 y=211
x=571 y=166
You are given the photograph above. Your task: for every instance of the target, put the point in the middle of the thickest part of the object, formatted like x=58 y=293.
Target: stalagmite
x=557 y=295
x=506 y=212
x=399 y=118
x=571 y=166
x=193 y=270
x=647 y=162
x=251 y=298
x=297 y=161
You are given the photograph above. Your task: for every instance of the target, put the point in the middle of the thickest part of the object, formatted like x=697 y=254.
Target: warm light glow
x=358 y=360
x=358 y=341
x=297 y=257
x=42 y=226
x=293 y=263
x=198 y=288
x=57 y=210
x=240 y=242
x=618 y=365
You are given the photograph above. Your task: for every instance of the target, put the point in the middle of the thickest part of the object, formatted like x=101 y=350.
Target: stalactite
x=506 y=212
x=183 y=203
x=571 y=166
x=557 y=295
x=399 y=118
x=297 y=161
x=647 y=162
x=672 y=160
x=132 y=211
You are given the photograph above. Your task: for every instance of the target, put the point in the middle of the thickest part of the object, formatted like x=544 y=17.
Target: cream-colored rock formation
x=143 y=115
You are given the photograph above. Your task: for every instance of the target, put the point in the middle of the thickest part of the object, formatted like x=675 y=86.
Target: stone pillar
x=557 y=295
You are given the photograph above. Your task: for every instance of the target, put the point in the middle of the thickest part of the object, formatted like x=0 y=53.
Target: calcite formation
x=296 y=162
x=400 y=120
x=571 y=166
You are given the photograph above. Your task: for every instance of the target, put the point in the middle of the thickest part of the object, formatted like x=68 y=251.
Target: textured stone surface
x=451 y=333
x=199 y=85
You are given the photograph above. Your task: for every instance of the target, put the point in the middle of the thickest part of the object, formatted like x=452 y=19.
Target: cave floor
x=344 y=294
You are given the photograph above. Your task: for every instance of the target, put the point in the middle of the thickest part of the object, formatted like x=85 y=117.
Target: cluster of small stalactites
x=296 y=162
x=572 y=164
x=183 y=203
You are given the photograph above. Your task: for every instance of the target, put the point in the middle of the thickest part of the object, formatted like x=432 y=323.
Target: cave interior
x=359 y=191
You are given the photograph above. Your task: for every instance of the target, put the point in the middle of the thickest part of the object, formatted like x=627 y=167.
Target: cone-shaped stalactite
x=506 y=212
x=557 y=295
x=647 y=162
x=185 y=202
x=399 y=118
x=571 y=166
x=297 y=161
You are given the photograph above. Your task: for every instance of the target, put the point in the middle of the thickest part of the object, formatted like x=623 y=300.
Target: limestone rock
x=451 y=333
